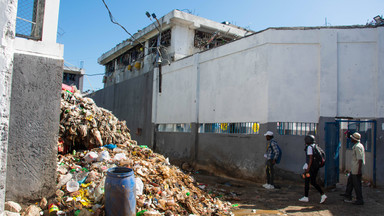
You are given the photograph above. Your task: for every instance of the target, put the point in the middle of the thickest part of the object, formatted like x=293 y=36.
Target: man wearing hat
x=354 y=179
x=271 y=154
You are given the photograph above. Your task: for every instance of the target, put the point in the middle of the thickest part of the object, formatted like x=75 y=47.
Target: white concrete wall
x=278 y=75
x=293 y=72
x=358 y=86
x=8 y=10
x=226 y=84
x=176 y=100
x=182 y=38
x=380 y=72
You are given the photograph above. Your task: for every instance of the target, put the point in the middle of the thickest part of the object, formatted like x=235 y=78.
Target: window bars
x=296 y=128
x=184 y=127
x=29 y=21
x=230 y=128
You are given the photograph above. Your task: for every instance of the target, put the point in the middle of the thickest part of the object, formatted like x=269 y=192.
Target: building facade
x=211 y=107
x=74 y=76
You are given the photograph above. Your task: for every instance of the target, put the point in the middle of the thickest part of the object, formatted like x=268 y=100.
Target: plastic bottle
x=53 y=209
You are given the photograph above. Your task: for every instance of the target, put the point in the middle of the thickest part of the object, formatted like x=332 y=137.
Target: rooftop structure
x=182 y=34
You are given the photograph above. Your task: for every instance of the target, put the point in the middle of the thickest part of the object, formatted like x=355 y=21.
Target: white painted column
x=51 y=20
x=328 y=76
x=380 y=73
x=196 y=70
x=155 y=94
x=182 y=41
x=8 y=11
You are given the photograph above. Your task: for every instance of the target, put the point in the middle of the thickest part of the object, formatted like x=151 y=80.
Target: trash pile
x=92 y=140
x=84 y=125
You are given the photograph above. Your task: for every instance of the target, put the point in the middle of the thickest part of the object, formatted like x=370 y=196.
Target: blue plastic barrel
x=120 y=192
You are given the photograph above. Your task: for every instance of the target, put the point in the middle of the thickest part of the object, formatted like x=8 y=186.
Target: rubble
x=8 y=213
x=12 y=206
x=32 y=210
x=92 y=140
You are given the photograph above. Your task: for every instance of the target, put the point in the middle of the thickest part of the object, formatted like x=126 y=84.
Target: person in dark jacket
x=271 y=154
x=311 y=170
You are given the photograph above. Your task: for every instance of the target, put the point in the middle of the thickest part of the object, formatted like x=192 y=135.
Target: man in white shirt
x=354 y=179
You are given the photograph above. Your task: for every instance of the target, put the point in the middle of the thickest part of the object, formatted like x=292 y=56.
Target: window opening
x=296 y=128
x=174 y=127
x=232 y=128
x=204 y=40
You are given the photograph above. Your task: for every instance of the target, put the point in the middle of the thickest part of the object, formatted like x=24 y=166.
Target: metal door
x=332 y=145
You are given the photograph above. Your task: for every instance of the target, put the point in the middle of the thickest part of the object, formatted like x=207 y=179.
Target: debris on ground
x=92 y=140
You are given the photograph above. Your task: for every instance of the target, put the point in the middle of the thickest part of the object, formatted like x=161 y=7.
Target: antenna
x=326 y=22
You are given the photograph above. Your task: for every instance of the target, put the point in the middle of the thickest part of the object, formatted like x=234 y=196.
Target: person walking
x=311 y=170
x=354 y=178
x=271 y=154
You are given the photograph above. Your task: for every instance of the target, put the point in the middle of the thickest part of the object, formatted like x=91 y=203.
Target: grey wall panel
x=380 y=152
x=131 y=100
x=179 y=147
x=34 y=127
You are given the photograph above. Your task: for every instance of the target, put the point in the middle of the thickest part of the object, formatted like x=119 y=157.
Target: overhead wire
x=133 y=38
x=94 y=74
x=115 y=22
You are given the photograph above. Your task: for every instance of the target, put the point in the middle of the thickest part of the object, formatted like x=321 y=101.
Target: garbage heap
x=161 y=188
x=84 y=125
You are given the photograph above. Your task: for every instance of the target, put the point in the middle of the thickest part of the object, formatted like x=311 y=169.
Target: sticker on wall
x=255 y=127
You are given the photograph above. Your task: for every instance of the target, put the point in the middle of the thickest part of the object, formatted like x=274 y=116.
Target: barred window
x=296 y=128
x=231 y=128
x=29 y=21
x=183 y=127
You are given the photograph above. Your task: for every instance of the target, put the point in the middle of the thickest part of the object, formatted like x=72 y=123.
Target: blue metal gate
x=332 y=145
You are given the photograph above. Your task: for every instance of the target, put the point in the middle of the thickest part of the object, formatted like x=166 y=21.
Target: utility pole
x=158 y=45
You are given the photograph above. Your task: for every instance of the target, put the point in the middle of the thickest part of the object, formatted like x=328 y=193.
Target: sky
x=86 y=31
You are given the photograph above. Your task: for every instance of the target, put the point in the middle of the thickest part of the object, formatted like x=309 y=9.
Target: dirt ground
x=250 y=198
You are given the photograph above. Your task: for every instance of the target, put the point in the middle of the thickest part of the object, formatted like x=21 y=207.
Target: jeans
x=312 y=179
x=270 y=172
x=354 y=182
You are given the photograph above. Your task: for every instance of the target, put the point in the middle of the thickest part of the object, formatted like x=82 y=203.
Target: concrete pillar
x=51 y=19
x=8 y=11
x=34 y=108
x=33 y=127
x=181 y=41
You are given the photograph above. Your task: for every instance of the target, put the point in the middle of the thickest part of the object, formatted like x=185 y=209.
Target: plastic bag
x=91 y=157
x=139 y=186
x=119 y=157
x=104 y=156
